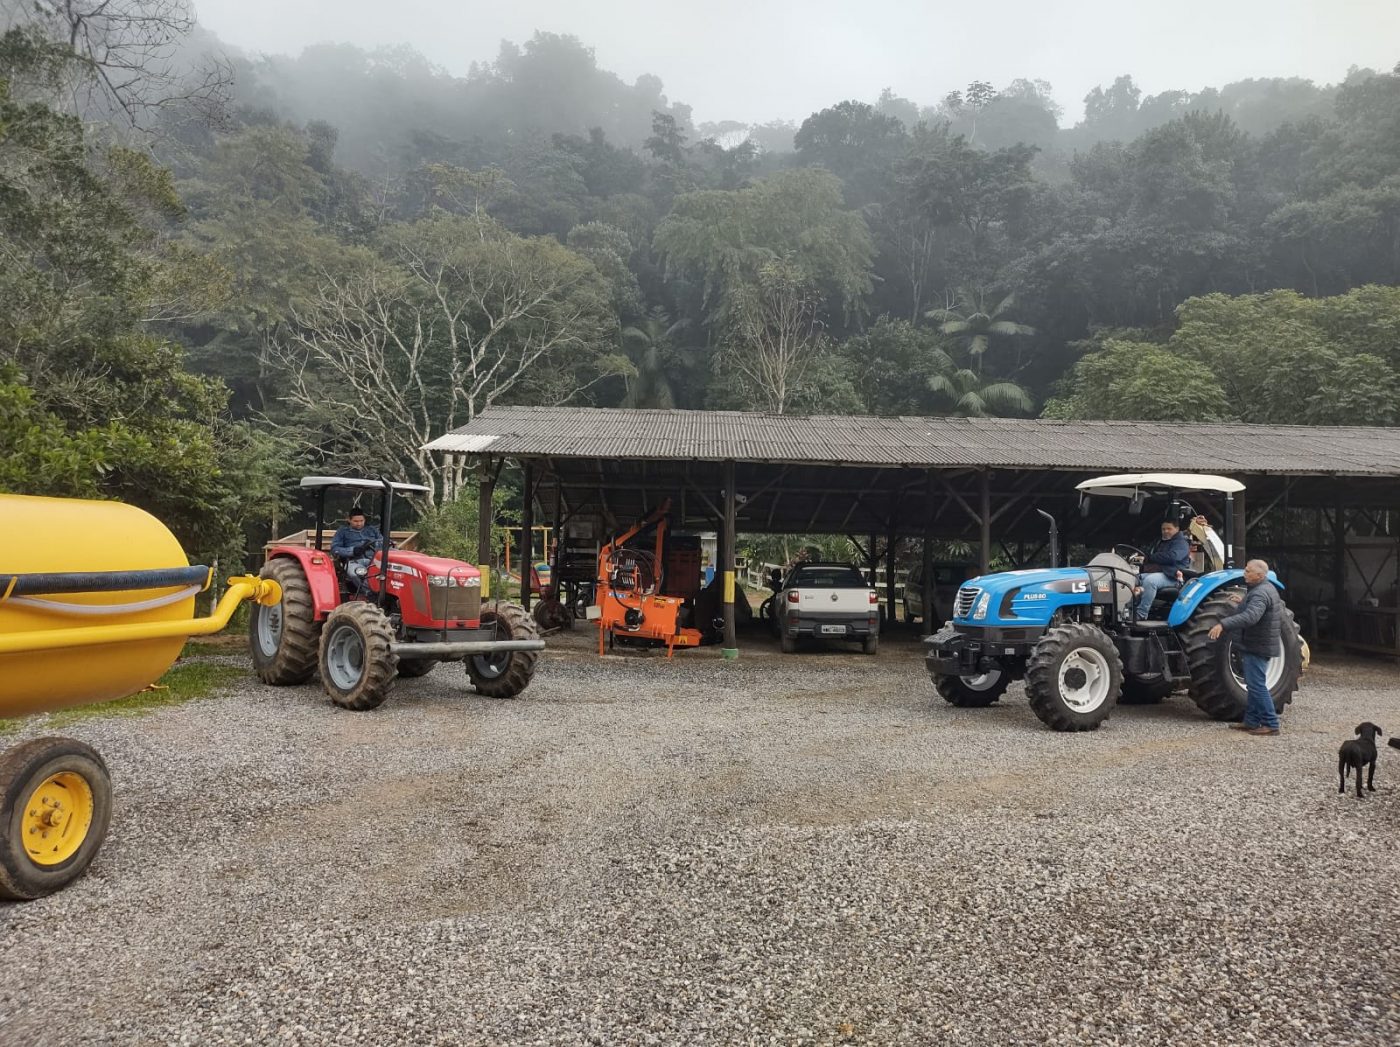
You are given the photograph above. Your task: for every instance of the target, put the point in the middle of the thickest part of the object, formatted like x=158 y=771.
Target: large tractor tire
x=409 y=668
x=283 y=638
x=55 y=806
x=1146 y=690
x=973 y=692
x=358 y=663
x=1074 y=677
x=1217 y=677
x=508 y=673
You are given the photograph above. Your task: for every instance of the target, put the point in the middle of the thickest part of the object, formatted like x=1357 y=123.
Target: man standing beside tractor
x=1257 y=621
x=356 y=542
x=1169 y=557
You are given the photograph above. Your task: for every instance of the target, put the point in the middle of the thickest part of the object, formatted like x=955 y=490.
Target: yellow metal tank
x=62 y=536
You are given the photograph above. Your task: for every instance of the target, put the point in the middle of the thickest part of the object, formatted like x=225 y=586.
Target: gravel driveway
x=800 y=849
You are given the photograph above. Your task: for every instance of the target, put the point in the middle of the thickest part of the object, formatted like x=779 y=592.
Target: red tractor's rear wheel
x=283 y=638
x=358 y=663
x=506 y=674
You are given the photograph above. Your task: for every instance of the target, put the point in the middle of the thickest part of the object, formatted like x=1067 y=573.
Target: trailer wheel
x=972 y=692
x=1073 y=677
x=414 y=667
x=508 y=673
x=283 y=638
x=1217 y=677
x=358 y=663
x=55 y=806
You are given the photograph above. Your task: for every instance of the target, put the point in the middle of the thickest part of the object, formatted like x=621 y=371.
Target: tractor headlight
x=441 y=581
x=983 y=602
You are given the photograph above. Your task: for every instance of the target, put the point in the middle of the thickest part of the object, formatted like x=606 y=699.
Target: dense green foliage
x=367 y=251
x=92 y=402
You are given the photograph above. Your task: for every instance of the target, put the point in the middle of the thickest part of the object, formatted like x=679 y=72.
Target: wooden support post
x=1339 y=568
x=731 y=642
x=527 y=533
x=928 y=580
x=1242 y=526
x=484 y=552
x=557 y=559
x=985 y=518
x=891 y=547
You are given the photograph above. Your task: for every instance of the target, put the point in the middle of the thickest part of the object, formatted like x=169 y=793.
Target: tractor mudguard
x=1197 y=589
x=319 y=568
x=1024 y=598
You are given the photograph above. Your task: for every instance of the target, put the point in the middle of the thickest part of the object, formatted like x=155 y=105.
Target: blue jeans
x=1259 y=710
x=355 y=572
x=1150 y=584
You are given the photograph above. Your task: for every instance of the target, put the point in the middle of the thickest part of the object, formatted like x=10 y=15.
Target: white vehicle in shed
x=828 y=601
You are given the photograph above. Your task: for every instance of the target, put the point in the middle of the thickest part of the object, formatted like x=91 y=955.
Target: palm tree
x=968 y=395
x=972 y=322
x=648 y=345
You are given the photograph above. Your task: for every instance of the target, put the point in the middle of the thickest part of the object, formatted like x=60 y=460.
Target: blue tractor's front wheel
x=973 y=692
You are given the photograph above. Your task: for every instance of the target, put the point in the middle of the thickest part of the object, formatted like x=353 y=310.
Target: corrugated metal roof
x=1013 y=443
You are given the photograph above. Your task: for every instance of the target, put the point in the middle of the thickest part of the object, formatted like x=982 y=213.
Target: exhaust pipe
x=1054 y=538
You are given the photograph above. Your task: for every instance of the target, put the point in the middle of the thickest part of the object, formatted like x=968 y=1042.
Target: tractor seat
x=1150 y=625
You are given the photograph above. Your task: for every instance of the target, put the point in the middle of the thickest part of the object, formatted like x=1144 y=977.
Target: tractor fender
x=1197 y=589
x=319 y=569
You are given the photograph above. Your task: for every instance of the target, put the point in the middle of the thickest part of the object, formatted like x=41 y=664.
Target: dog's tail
x=1394 y=743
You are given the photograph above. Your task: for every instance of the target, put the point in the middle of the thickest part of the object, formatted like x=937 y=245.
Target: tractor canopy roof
x=1127 y=485
x=350 y=483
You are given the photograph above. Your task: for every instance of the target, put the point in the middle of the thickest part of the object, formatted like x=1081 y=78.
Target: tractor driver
x=1165 y=561
x=355 y=542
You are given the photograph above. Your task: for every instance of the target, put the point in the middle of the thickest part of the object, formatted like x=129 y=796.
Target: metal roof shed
x=901 y=476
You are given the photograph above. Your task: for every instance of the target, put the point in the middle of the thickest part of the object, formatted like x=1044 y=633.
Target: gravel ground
x=810 y=849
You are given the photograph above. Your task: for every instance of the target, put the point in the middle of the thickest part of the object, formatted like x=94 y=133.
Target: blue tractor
x=1071 y=632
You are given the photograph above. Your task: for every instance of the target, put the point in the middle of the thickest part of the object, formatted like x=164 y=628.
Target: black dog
x=1358 y=753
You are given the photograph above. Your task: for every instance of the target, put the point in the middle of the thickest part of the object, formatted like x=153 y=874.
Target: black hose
x=51 y=584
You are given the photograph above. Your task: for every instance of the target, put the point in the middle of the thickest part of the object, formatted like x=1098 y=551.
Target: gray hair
x=1262 y=565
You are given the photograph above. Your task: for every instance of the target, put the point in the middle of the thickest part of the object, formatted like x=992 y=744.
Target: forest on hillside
x=221 y=270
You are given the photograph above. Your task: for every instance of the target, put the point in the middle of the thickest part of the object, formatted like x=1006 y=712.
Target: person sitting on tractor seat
x=1165 y=561
x=355 y=543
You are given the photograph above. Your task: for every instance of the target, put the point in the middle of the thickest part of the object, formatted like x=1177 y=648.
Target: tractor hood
x=1020 y=598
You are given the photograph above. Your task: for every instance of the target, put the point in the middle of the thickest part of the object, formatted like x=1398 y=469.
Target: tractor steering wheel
x=1135 y=550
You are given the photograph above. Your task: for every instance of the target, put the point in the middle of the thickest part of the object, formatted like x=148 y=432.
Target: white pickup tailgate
x=835 y=601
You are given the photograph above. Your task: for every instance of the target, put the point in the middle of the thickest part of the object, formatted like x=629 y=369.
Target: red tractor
x=362 y=637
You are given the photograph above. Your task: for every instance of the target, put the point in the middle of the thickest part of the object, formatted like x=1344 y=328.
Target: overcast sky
x=758 y=60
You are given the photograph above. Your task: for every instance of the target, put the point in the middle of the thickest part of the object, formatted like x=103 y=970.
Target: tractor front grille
x=455 y=603
x=967 y=596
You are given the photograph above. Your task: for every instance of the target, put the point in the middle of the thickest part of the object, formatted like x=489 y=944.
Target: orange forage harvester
x=630 y=601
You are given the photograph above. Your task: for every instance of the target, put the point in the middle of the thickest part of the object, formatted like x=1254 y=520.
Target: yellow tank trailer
x=96 y=602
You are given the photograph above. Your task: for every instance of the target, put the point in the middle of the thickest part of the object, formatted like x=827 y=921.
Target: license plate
x=833 y=630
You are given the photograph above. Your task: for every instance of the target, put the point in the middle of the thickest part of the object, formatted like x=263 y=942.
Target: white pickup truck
x=827 y=601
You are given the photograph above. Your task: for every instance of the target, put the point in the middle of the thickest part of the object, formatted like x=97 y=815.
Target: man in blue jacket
x=1165 y=562
x=356 y=542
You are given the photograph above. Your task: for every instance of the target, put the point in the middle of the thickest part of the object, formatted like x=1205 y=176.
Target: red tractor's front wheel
x=358 y=663
x=507 y=673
